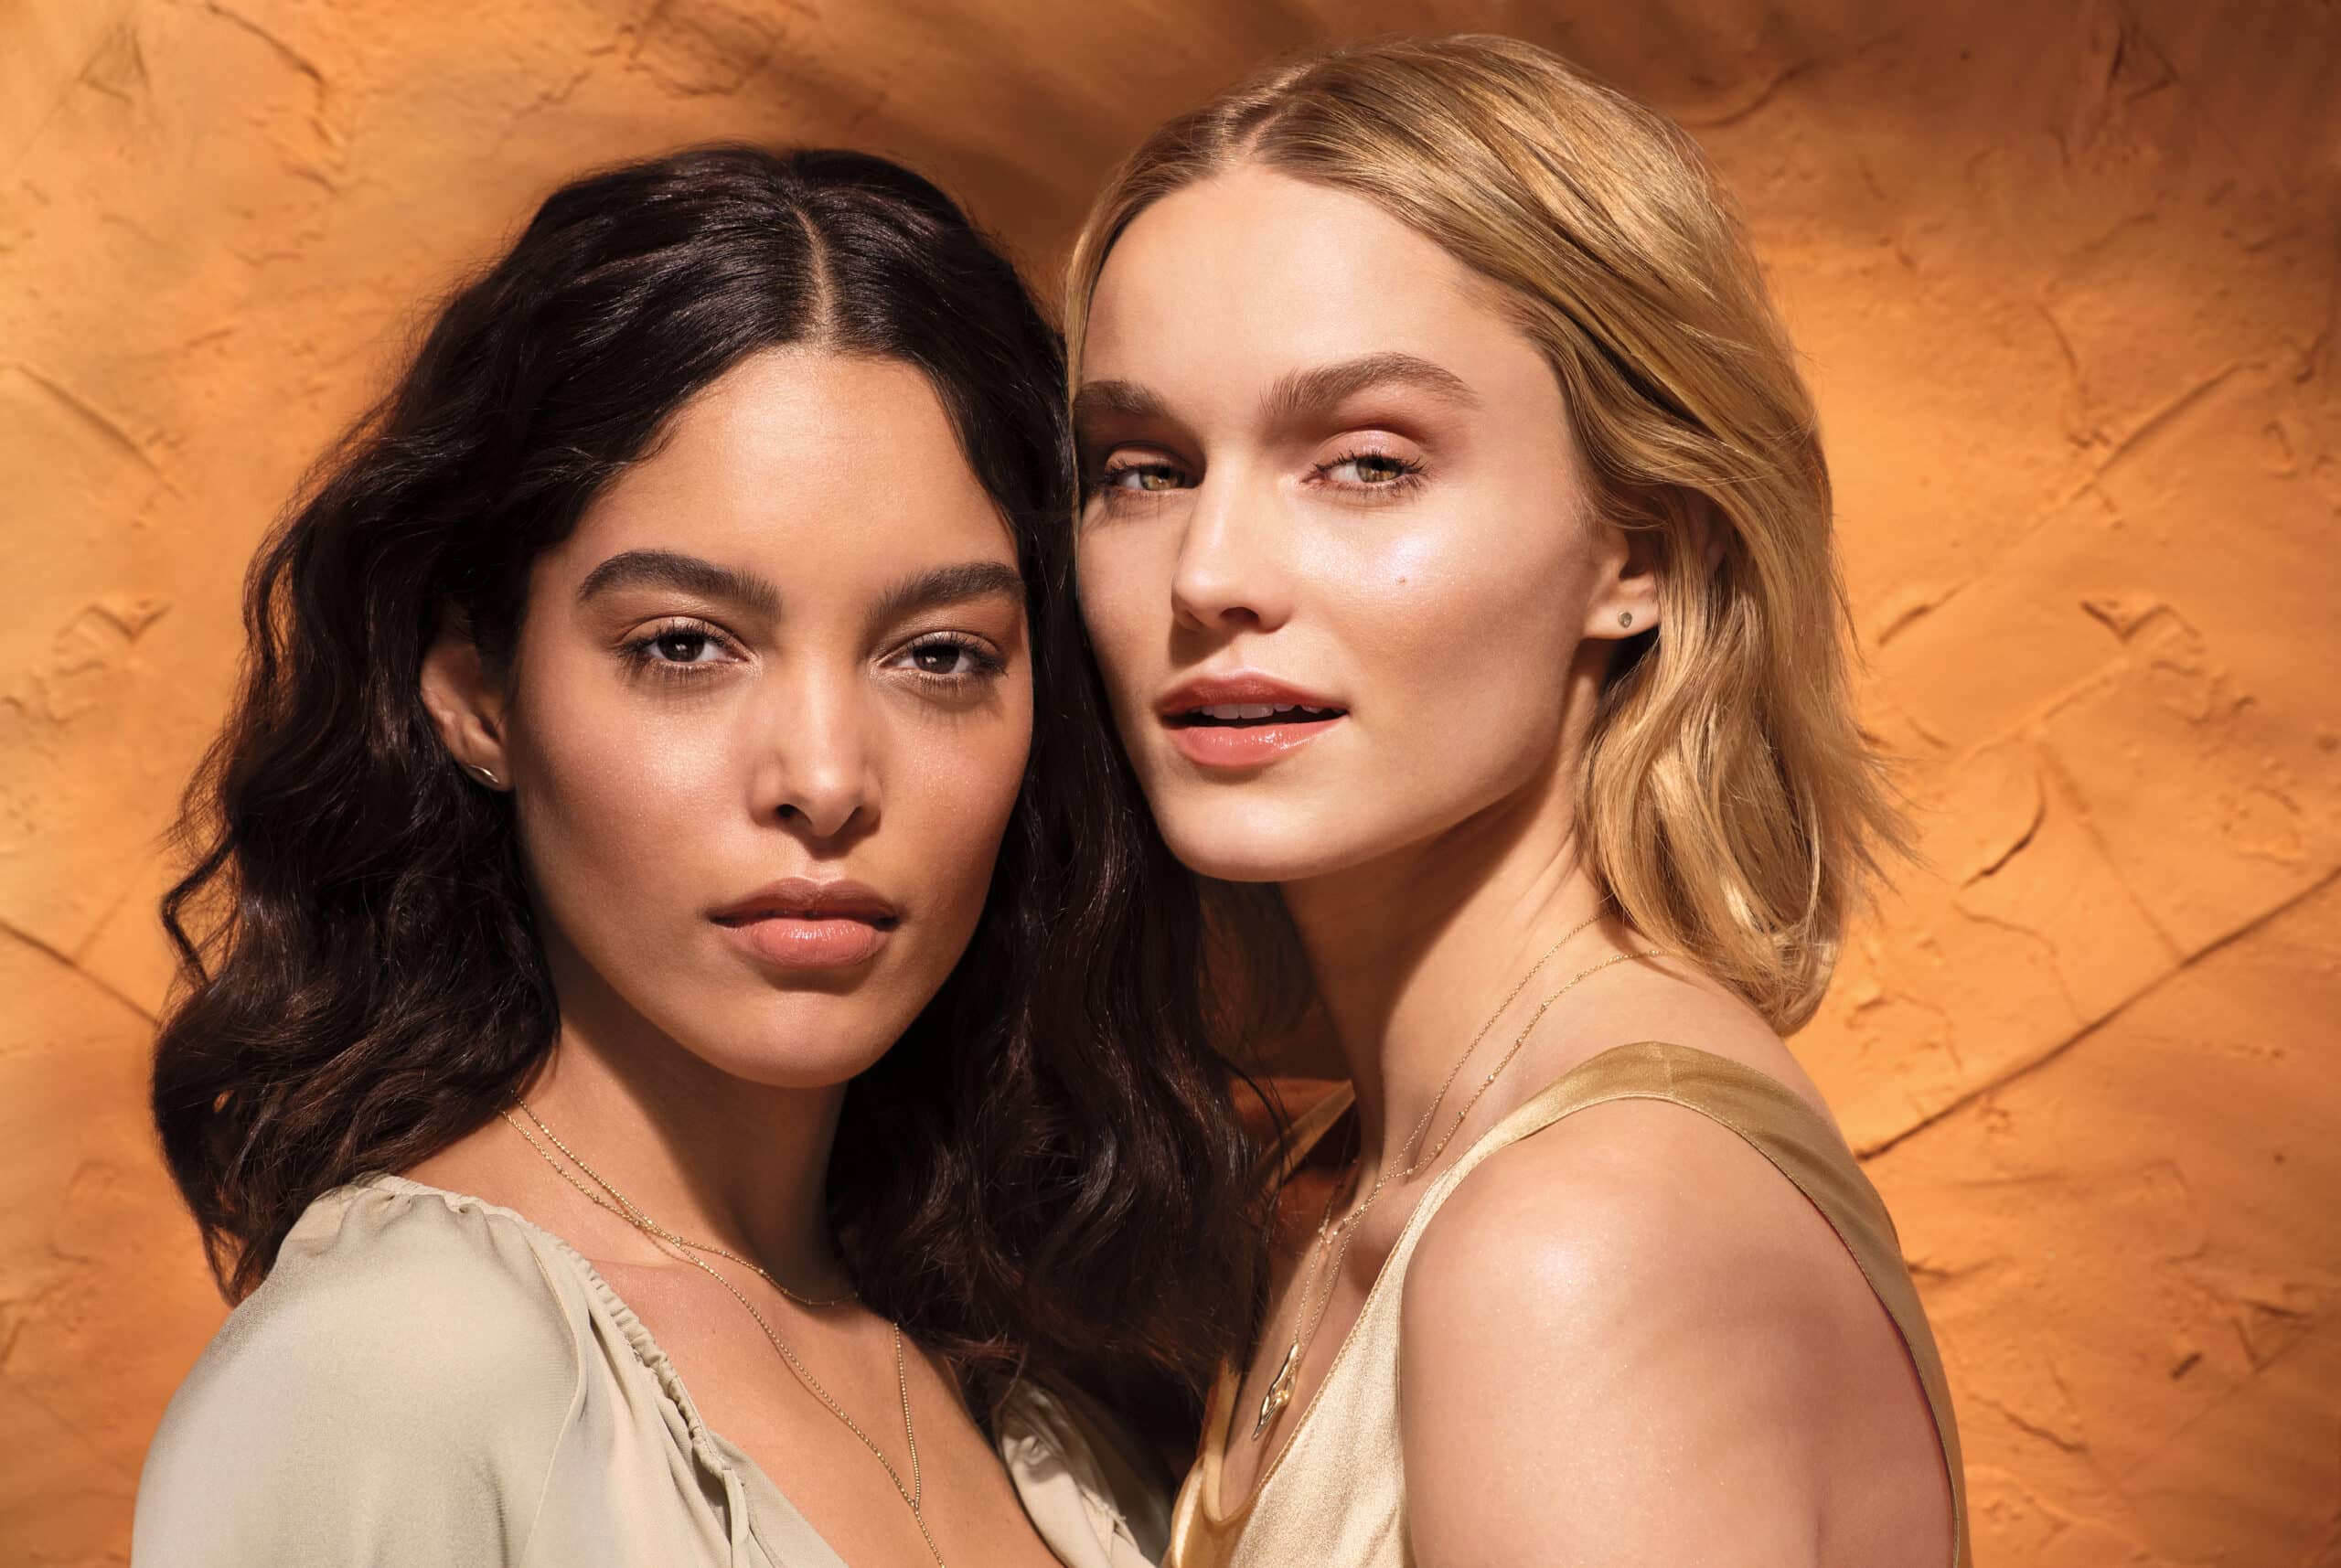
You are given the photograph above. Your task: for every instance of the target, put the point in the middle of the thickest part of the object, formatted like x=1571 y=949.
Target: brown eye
x=956 y=659
x=681 y=647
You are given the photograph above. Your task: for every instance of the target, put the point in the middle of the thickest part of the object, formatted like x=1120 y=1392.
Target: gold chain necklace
x=1304 y=1334
x=626 y=1210
x=913 y=1495
x=1305 y=1325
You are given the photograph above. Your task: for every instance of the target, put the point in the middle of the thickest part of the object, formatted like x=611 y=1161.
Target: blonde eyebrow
x=1300 y=393
x=1295 y=394
x=1117 y=400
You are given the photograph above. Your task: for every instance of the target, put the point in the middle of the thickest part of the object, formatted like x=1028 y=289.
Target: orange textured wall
x=2066 y=277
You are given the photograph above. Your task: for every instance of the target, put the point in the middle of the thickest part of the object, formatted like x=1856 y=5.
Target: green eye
x=1370 y=471
x=1152 y=478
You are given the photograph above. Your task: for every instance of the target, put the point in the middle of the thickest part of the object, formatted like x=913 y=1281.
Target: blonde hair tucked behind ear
x=1730 y=805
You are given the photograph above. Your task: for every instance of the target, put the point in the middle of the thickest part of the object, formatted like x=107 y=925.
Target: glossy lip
x=800 y=924
x=1247 y=745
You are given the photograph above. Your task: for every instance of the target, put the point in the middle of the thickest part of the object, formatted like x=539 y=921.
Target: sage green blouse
x=426 y=1379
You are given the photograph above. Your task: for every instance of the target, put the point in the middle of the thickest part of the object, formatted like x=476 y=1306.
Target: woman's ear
x=1627 y=604
x=466 y=703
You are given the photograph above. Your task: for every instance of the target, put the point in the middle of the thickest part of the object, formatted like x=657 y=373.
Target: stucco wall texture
x=2068 y=280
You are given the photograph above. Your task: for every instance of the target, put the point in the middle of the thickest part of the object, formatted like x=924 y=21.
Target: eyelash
x=988 y=665
x=1410 y=473
x=1105 y=482
x=639 y=653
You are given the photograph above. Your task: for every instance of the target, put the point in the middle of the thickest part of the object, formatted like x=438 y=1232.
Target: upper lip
x=802 y=898
x=1240 y=685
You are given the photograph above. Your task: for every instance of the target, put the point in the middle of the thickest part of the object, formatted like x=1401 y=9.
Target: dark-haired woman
x=678 y=1060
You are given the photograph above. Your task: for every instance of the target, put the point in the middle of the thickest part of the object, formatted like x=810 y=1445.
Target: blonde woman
x=1456 y=548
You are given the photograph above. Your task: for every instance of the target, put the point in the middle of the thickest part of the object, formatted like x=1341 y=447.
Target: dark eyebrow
x=686 y=573
x=950 y=585
x=1122 y=400
x=1302 y=392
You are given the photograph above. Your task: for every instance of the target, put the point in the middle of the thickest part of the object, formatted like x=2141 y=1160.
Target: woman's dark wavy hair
x=1046 y=1172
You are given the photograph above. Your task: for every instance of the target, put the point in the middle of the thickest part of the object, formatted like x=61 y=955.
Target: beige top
x=1335 y=1494
x=427 y=1379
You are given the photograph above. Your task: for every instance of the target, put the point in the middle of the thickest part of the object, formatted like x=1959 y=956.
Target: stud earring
x=1625 y=617
x=486 y=777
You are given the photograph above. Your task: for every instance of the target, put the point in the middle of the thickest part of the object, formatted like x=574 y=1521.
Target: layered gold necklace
x=1333 y=1240
x=625 y=1209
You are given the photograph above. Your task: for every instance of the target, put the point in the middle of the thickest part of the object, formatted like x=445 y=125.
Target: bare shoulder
x=1635 y=1196
x=1715 y=1348
x=1580 y=1228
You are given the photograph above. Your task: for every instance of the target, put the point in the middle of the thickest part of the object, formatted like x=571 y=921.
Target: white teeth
x=1242 y=712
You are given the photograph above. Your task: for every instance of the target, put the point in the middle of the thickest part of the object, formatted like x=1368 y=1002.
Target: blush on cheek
x=622 y=800
x=625 y=803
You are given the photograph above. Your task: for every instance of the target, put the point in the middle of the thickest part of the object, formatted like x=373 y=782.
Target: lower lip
x=1246 y=746
x=792 y=944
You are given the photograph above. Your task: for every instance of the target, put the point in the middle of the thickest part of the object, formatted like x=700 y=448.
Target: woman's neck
x=702 y=1153
x=1411 y=952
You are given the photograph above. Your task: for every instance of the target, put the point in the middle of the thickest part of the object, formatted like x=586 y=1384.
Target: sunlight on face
x=1336 y=554
x=772 y=705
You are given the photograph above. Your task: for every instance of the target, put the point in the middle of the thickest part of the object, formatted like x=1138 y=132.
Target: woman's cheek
x=1402 y=598
x=967 y=787
x=623 y=769
x=1116 y=589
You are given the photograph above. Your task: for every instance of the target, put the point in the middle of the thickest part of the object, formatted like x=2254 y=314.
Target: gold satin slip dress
x=1334 y=1496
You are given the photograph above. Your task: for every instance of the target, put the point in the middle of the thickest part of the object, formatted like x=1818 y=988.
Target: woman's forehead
x=797 y=465
x=1252 y=277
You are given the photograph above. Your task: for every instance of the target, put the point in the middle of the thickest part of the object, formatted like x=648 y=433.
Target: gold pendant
x=1280 y=1393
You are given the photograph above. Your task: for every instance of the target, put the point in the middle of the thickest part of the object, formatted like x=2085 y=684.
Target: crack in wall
x=1984 y=1092
x=9 y=931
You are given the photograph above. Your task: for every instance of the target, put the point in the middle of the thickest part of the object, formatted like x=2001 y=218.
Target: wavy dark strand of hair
x=1044 y=1171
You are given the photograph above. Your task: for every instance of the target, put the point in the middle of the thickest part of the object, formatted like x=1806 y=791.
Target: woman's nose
x=818 y=773
x=1228 y=575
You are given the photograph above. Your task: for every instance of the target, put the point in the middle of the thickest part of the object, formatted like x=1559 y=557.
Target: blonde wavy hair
x=1730 y=806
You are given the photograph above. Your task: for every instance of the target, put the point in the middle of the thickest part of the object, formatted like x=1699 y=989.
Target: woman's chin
x=789 y=1066
x=801 y=1041
x=1289 y=854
